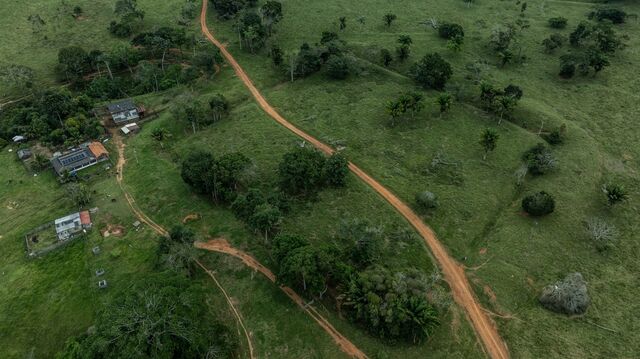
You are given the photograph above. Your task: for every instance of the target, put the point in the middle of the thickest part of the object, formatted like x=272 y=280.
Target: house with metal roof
x=124 y=111
x=24 y=154
x=69 y=226
x=86 y=155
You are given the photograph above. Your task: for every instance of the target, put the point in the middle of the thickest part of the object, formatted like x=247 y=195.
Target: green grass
x=522 y=254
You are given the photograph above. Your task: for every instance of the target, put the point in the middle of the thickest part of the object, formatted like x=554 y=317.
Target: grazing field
x=479 y=217
x=508 y=255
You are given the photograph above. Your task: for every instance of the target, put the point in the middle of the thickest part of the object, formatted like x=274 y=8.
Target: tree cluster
x=593 y=45
x=409 y=103
x=539 y=160
x=500 y=102
x=130 y=18
x=54 y=117
x=226 y=9
x=568 y=296
x=263 y=213
x=304 y=171
x=161 y=316
x=219 y=178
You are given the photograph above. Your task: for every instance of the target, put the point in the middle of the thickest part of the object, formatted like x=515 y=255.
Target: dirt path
x=222 y=246
x=163 y=232
x=452 y=271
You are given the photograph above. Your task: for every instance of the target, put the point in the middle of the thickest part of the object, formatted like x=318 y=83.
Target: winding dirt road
x=453 y=273
x=222 y=246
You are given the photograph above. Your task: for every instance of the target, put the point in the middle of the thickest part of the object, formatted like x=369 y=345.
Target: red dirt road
x=452 y=271
x=222 y=246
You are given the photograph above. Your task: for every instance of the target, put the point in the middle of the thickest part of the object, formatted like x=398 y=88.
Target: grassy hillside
x=480 y=215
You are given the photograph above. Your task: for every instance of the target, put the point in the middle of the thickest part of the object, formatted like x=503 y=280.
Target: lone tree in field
x=426 y=201
x=568 y=296
x=342 y=23
x=336 y=170
x=389 y=19
x=160 y=134
x=539 y=160
x=385 y=57
x=489 y=141
x=539 y=204
x=432 y=71
x=615 y=193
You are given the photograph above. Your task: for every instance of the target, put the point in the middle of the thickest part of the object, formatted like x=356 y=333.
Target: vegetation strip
x=461 y=289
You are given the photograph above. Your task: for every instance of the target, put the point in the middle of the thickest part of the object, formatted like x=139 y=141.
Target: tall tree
x=489 y=141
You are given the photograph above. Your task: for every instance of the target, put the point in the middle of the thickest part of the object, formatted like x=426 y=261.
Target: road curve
x=453 y=273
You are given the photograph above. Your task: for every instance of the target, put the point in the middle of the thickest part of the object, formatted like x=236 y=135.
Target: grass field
x=522 y=255
x=511 y=256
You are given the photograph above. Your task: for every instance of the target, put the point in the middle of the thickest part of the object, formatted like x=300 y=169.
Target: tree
x=444 y=102
x=284 y=244
x=426 y=201
x=568 y=296
x=614 y=193
x=335 y=170
x=73 y=62
x=601 y=233
x=539 y=204
x=301 y=171
x=128 y=10
x=219 y=106
x=385 y=57
x=308 y=268
x=553 y=42
x=391 y=305
x=500 y=102
x=266 y=219
x=161 y=316
x=558 y=22
x=403 y=52
x=338 y=67
x=277 y=56
x=342 y=23
x=432 y=71
x=405 y=40
x=539 y=160
x=188 y=108
x=616 y=16
x=196 y=171
x=488 y=141
x=271 y=13
x=364 y=240
x=79 y=194
x=389 y=19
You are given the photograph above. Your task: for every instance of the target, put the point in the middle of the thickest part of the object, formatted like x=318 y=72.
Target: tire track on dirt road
x=222 y=246
x=453 y=273
x=163 y=232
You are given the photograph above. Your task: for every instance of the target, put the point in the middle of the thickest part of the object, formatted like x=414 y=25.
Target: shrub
x=426 y=201
x=615 y=193
x=558 y=22
x=120 y=29
x=553 y=42
x=568 y=296
x=336 y=170
x=556 y=136
x=539 y=160
x=538 y=204
x=601 y=233
x=450 y=31
x=432 y=71
x=567 y=67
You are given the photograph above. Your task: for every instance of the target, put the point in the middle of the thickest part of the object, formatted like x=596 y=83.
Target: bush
x=336 y=168
x=615 y=193
x=121 y=29
x=450 y=31
x=614 y=15
x=426 y=201
x=558 y=22
x=601 y=233
x=553 y=42
x=538 y=204
x=539 y=160
x=568 y=296
x=556 y=136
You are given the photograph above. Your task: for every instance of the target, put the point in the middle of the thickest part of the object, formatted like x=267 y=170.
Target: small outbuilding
x=24 y=154
x=18 y=139
x=130 y=128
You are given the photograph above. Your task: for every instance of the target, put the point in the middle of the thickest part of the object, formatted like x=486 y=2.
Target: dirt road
x=222 y=246
x=452 y=271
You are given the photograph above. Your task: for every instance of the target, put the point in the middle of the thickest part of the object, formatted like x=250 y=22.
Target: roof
x=97 y=149
x=73 y=160
x=67 y=223
x=125 y=130
x=121 y=106
x=18 y=138
x=24 y=153
x=85 y=218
